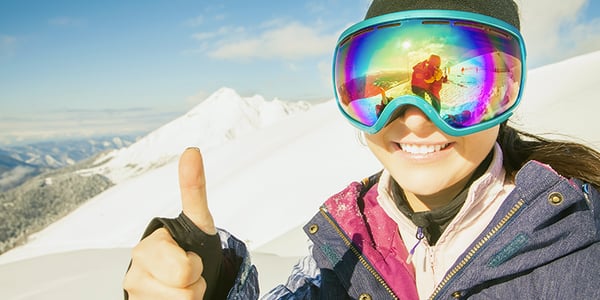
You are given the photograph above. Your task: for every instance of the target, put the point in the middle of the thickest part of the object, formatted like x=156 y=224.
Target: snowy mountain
x=222 y=117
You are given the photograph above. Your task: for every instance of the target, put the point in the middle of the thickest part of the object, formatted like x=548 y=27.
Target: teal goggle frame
x=465 y=71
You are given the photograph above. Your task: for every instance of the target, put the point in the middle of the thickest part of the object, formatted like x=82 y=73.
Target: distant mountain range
x=19 y=163
x=39 y=183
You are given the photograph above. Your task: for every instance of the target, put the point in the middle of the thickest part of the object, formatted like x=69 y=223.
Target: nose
x=413 y=118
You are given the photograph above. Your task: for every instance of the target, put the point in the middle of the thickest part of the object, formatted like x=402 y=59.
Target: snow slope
x=563 y=100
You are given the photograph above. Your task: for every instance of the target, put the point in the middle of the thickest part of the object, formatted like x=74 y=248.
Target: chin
x=425 y=183
x=422 y=188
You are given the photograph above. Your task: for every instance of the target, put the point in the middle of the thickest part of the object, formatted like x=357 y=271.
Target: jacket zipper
x=477 y=247
x=360 y=257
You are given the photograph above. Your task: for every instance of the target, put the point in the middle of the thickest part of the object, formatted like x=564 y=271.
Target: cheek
x=379 y=149
x=476 y=147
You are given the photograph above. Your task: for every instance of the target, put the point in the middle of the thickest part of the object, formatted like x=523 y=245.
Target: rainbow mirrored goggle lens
x=465 y=71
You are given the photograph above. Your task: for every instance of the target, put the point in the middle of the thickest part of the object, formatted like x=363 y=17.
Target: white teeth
x=422 y=149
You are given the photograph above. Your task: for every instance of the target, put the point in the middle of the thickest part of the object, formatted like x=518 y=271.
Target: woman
x=465 y=207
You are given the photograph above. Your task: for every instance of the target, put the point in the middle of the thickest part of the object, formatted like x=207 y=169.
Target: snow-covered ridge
x=223 y=116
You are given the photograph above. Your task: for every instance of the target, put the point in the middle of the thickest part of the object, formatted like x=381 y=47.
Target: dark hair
x=569 y=159
x=506 y=10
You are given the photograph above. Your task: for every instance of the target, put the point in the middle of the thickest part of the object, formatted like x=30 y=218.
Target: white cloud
x=203 y=35
x=208 y=15
x=7 y=40
x=555 y=30
x=225 y=31
x=325 y=70
x=292 y=41
x=15 y=175
x=293 y=67
x=196 y=99
x=193 y=22
x=65 y=21
x=219 y=17
x=7 y=45
x=586 y=36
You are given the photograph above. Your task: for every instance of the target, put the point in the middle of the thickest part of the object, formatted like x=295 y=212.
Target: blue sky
x=71 y=68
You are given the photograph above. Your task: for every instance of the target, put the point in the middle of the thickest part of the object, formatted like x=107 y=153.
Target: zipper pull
x=586 y=194
x=419 y=235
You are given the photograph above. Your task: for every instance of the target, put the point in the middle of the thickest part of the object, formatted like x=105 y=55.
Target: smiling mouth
x=422 y=149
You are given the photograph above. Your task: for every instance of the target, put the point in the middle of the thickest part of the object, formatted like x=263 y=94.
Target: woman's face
x=424 y=160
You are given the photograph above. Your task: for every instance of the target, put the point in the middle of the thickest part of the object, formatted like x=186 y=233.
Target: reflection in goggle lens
x=468 y=72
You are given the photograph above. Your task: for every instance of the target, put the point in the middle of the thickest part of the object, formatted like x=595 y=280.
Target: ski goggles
x=465 y=71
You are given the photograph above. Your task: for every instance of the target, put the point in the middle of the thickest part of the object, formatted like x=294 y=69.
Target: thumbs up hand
x=192 y=185
x=160 y=267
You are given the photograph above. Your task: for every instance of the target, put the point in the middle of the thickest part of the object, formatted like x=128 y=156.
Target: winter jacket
x=433 y=257
x=543 y=243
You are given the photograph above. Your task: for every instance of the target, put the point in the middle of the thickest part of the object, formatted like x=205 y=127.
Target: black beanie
x=505 y=10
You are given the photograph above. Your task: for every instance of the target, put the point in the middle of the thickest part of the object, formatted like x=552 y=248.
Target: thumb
x=192 y=185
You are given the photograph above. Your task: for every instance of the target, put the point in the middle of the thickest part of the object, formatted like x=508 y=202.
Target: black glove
x=208 y=247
